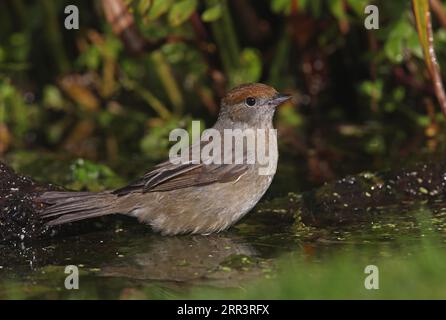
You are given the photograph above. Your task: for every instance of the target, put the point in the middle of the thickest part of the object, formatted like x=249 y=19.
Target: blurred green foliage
x=103 y=94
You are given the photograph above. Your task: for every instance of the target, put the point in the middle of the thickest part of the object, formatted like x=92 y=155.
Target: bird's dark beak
x=279 y=98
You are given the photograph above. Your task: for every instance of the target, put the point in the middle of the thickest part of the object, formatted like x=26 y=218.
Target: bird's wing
x=168 y=176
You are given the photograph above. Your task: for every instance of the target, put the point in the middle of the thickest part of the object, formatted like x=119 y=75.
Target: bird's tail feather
x=65 y=207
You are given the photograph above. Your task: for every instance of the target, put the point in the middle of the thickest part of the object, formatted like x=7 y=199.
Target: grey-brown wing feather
x=167 y=176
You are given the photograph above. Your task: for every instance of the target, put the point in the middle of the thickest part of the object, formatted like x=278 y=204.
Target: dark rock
x=19 y=217
x=362 y=197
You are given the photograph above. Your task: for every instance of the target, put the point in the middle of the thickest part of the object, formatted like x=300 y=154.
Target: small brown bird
x=199 y=198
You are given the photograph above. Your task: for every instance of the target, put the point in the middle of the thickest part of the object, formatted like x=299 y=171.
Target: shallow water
x=119 y=258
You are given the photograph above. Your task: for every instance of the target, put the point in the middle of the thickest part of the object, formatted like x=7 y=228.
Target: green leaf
x=393 y=50
x=281 y=6
x=181 y=11
x=212 y=14
x=396 y=41
x=250 y=67
x=158 y=8
x=155 y=144
x=413 y=44
x=290 y=116
x=89 y=175
x=421 y=11
x=358 y=6
x=144 y=6
x=251 y=62
x=373 y=89
x=52 y=97
x=337 y=9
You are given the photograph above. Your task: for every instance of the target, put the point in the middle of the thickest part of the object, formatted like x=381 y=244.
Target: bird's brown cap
x=240 y=93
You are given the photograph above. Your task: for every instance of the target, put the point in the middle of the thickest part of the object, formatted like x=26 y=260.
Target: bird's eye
x=250 y=102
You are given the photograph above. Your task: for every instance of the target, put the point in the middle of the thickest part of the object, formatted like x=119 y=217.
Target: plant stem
x=424 y=26
x=149 y=97
x=169 y=82
x=54 y=36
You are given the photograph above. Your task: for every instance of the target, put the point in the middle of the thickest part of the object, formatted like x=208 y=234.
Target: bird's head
x=253 y=104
